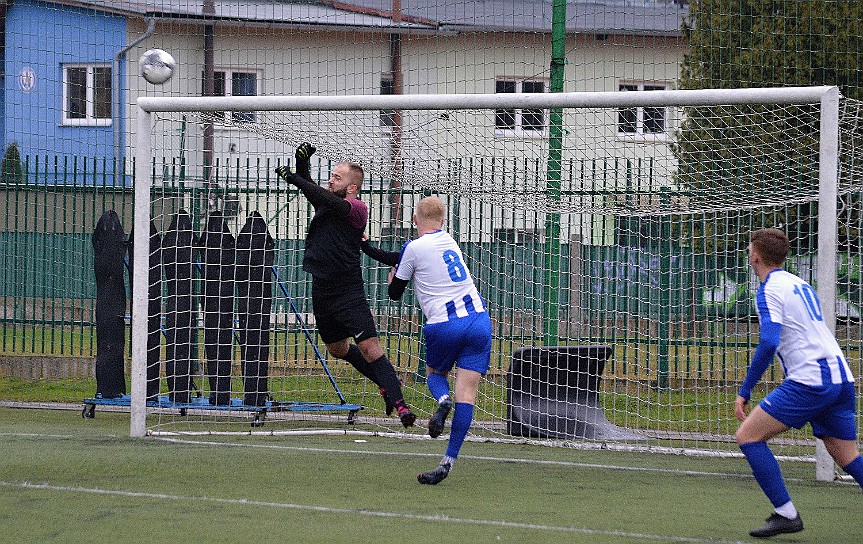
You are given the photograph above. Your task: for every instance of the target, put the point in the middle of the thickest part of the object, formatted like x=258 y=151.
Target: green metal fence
x=668 y=288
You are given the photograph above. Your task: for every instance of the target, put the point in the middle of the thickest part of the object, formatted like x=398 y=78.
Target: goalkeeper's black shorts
x=342 y=311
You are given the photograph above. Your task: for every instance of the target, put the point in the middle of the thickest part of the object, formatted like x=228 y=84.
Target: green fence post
x=551 y=296
x=664 y=313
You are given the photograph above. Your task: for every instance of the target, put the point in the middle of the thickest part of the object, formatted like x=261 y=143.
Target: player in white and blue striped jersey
x=457 y=329
x=818 y=386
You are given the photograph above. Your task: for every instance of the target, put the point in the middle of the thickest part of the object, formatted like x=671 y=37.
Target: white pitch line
x=39 y=435
x=368 y=513
x=575 y=464
x=465 y=456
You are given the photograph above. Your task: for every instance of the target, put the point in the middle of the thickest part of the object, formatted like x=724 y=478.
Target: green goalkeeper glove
x=304 y=164
x=305 y=151
x=284 y=173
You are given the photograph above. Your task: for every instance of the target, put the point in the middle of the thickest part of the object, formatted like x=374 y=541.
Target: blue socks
x=462 y=414
x=766 y=471
x=461 y=421
x=855 y=469
x=437 y=384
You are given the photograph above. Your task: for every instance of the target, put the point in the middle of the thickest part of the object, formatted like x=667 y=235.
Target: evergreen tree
x=10 y=169
x=763 y=43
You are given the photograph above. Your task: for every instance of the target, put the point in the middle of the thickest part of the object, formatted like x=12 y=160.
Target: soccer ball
x=157 y=66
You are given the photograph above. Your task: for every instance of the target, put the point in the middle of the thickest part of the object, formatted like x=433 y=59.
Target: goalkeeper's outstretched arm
x=317 y=195
x=389 y=258
x=303 y=156
x=397 y=286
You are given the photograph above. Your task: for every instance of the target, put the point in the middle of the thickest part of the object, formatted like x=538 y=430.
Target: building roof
x=651 y=17
x=646 y=17
x=257 y=13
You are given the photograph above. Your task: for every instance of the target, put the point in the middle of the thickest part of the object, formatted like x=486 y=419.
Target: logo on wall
x=26 y=79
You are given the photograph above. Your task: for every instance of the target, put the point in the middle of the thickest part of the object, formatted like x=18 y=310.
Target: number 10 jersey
x=808 y=351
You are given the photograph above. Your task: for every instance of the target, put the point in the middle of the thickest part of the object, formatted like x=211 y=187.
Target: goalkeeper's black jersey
x=333 y=242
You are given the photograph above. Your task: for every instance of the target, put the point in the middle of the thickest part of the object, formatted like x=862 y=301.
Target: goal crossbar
x=685 y=97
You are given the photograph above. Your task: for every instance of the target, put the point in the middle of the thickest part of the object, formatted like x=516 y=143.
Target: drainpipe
x=396 y=134
x=4 y=8
x=115 y=91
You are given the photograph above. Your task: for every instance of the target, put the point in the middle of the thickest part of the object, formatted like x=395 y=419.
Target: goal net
x=606 y=232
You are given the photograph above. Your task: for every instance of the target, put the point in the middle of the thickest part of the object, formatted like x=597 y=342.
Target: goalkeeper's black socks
x=369 y=370
x=392 y=389
x=388 y=379
x=388 y=406
x=356 y=359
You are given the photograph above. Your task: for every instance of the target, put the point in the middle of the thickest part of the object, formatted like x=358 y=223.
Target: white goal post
x=826 y=99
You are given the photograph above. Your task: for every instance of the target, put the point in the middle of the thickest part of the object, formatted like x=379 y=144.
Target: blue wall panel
x=41 y=37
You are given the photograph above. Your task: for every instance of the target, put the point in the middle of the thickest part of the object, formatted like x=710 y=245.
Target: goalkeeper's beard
x=341 y=193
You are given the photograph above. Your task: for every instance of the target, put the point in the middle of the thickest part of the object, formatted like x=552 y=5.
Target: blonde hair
x=430 y=210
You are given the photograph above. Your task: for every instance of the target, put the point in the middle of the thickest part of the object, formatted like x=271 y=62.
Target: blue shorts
x=466 y=341
x=830 y=408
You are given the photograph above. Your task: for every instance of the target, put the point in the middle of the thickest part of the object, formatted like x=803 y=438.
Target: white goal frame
x=826 y=96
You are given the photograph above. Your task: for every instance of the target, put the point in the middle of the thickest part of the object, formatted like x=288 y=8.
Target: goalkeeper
x=457 y=329
x=332 y=257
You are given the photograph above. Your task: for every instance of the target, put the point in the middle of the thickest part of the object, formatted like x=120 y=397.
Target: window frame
x=639 y=134
x=89 y=119
x=228 y=90
x=518 y=130
x=386 y=118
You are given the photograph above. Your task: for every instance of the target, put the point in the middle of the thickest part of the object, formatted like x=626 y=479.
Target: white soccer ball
x=157 y=66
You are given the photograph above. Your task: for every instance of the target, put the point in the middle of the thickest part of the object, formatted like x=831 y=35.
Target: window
x=235 y=83
x=517 y=236
x=643 y=232
x=387 y=88
x=641 y=120
x=87 y=94
x=518 y=122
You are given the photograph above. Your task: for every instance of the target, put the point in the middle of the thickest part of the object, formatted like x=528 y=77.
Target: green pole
x=664 y=325
x=551 y=298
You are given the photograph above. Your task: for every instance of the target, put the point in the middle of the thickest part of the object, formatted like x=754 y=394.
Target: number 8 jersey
x=442 y=282
x=807 y=349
